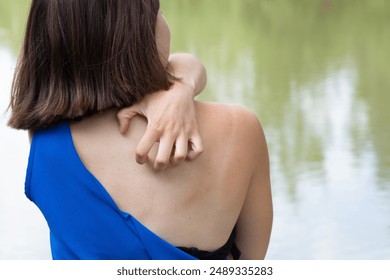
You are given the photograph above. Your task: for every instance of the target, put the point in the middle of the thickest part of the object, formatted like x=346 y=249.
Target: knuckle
x=139 y=153
x=157 y=129
x=124 y=111
x=188 y=130
x=180 y=157
x=159 y=166
x=196 y=153
x=161 y=162
x=174 y=130
x=121 y=115
x=200 y=150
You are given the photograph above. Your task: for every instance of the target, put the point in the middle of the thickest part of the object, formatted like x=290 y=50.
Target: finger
x=164 y=153
x=181 y=148
x=124 y=116
x=196 y=147
x=146 y=143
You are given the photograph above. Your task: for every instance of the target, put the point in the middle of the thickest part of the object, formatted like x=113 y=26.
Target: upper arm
x=255 y=221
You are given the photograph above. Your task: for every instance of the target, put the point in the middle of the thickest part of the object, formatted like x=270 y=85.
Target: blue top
x=84 y=221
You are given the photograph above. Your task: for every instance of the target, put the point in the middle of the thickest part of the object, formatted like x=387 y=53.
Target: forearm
x=189 y=70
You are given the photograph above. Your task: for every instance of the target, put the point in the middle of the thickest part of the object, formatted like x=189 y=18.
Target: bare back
x=196 y=203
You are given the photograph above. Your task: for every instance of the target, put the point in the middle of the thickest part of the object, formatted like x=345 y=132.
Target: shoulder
x=249 y=130
x=238 y=117
x=246 y=119
x=235 y=122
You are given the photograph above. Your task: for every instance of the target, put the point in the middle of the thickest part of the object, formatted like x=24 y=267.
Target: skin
x=201 y=200
x=171 y=114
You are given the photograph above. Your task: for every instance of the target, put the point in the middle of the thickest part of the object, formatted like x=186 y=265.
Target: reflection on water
x=329 y=182
x=316 y=74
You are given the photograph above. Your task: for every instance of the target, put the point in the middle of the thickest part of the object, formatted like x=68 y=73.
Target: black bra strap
x=236 y=253
x=219 y=254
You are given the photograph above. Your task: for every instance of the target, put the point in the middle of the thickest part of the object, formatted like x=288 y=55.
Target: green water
x=317 y=74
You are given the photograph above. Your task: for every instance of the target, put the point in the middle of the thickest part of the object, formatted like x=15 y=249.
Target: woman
x=79 y=66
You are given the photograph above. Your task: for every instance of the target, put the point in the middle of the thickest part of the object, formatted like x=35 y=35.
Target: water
x=316 y=73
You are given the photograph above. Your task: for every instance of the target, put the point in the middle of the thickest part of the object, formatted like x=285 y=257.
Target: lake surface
x=316 y=73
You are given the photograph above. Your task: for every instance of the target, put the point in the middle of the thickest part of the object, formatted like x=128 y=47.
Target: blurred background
x=316 y=73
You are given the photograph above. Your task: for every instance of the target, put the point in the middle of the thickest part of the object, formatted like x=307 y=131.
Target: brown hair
x=83 y=56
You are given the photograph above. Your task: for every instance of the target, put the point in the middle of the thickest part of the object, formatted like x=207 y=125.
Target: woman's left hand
x=172 y=122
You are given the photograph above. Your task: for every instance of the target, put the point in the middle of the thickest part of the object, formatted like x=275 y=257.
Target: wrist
x=186 y=85
x=190 y=84
x=189 y=70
